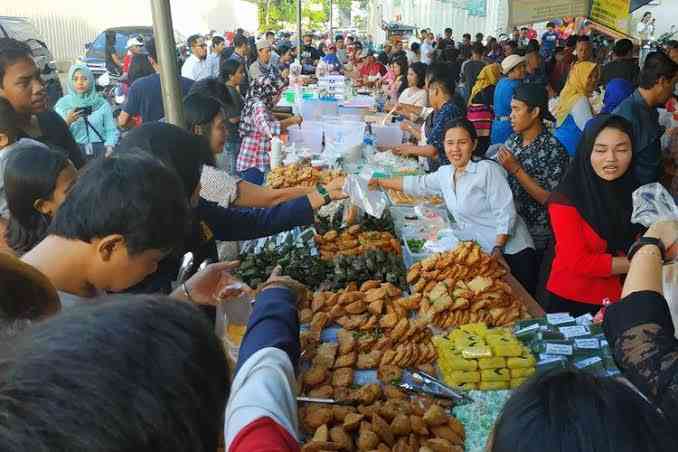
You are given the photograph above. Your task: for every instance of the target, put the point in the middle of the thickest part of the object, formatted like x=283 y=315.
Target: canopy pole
x=299 y=37
x=163 y=32
x=331 y=19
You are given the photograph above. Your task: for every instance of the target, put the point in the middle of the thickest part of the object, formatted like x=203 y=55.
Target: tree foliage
x=282 y=14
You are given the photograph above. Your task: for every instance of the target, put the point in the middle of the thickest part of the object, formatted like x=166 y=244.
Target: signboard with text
x=523 y=12
x=613 y=14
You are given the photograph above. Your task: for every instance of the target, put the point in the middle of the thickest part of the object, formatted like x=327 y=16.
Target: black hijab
x=605 y=205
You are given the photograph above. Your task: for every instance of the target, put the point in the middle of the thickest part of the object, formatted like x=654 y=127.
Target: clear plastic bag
x=652 y=203
x=373 y=202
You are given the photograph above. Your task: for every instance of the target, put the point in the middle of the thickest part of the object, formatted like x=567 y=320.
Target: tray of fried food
x=461 y=264
x=384 y=420
x=400 y=198
x=353 y=241
x=464 y=286
x=299 y=175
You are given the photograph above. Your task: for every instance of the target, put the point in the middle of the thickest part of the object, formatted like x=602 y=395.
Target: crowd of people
x=94 y=209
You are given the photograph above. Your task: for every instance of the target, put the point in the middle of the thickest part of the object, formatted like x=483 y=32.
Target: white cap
x=136 y=41
x=510 y=62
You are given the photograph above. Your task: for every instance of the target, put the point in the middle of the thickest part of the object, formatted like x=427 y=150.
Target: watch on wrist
x=643 y=241
x=323 y=192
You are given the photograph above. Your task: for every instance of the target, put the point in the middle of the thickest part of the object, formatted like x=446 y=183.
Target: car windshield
x=98 y=47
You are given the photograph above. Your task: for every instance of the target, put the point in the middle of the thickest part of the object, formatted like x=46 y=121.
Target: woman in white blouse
x=415 y=94
x=479 y=198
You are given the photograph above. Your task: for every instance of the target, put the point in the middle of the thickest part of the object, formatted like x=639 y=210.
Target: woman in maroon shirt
x=590 y=214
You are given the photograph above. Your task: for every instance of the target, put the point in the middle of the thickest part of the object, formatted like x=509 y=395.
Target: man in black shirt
x=448 y=42
x=624 y=65
x=309 y=55
x=465 y=48
x=22 y=86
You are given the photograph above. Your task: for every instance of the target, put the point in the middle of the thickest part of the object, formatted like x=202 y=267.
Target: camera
x=84 y=111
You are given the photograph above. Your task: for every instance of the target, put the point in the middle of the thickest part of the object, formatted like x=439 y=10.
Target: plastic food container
x=348 y=133
x=388 y=135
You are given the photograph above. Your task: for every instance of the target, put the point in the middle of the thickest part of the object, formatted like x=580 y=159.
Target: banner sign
x=476 y=7
x=613 y=14
x=522 y=12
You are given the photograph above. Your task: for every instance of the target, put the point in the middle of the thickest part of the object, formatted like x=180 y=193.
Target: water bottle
x=276 y=152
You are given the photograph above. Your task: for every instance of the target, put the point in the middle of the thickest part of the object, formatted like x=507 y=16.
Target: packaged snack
x=594 y=363
x=493 y=385
x=496 y=362
x=477 y=351
x=461 y=376
x=522 y=373
x=467 y=386
x=508 y=349
x=564 y=348
x=457 y=362
x=517 y=382
x=495 y=375
x=552 y=363
x=560 y=319
x=477 y=329
x=521 y=362
x=586 y=343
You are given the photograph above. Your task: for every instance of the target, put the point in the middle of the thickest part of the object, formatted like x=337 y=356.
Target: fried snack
x=342 y=377
x=346 y=341
x=418 y=425
x=347 y=360
x=368 y=394
x=382 y=429
x=343 y=439
x=369 y=360
x=319 y=321
x=315 y=376
x=299 y=175
x=316 y=417
x=339 y=412
x=446 y=432
x=388 y=373
x=353 y=242
x=400 y=198
x=322 y=392
x=392 y=392
x=326 y=355
x=367 y=440
x=401 y=425
x=352 y=421
x=435 y=416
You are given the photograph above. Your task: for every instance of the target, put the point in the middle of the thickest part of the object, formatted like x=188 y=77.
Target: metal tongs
x=423 y=382
x=326 y=401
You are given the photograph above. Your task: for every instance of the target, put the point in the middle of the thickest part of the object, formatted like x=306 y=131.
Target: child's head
x=131 y=210
x=37 y=180
x=8 y=124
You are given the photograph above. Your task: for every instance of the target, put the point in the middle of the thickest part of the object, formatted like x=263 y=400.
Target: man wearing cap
x=263 y=64
x=514 y=69
x=332 y=60
x=134 y=46
x=535 y=161
x=196 y=67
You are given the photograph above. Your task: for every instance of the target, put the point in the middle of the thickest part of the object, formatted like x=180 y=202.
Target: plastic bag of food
x=373 y=202
x=652 y=203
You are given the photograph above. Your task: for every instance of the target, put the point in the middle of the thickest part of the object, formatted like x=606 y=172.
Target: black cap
x=534 y=96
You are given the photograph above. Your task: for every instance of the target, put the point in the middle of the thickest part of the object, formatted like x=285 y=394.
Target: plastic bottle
x=276 y=152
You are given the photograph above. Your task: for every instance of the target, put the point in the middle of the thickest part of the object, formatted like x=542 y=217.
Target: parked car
x=22 y=29
x=95 y=56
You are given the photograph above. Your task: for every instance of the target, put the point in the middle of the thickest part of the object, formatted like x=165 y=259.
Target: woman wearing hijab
x=258 y=126
x=481 y=99
x=188 y=155
x=616 y=91
x=590 y=213
x=87 y=114
x=574 y=109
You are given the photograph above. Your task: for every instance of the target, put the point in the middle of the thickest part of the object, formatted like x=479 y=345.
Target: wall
x=664 y=11
x=66 y=25
x=438 y=15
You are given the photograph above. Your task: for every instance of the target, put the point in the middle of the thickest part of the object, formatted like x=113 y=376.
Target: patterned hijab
x=488 y=76
x=574 y=89
x=264 y=90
